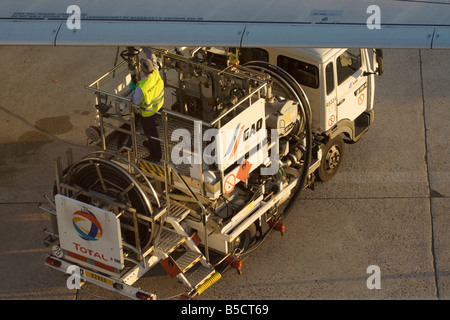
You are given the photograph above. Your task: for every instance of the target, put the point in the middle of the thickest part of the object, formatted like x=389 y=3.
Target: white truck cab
x=339 y=84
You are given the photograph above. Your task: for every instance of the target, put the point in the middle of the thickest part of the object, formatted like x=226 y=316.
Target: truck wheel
x=246 y=238
x=332 y=156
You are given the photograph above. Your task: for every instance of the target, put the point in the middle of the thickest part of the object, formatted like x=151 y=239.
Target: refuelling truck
x=242 y=132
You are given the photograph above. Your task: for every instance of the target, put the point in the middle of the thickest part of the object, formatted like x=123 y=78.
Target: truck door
x=330 y=97
x=352 y=93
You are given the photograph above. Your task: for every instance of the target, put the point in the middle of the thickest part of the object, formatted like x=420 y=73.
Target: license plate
x=99 y=278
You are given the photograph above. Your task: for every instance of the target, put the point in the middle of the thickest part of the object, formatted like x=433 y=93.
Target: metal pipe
x=107 y=73
x=109 y=94
x=138 y=252
x=133 y=135
x=179 y=115
x=58 y=175
x=167 y=182
x=238 y=104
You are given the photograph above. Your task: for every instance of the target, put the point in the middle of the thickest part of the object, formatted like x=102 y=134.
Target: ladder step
x=177 y=211
x=151 y=168
x=199 y=275
x=169 y=241
x=188 y=259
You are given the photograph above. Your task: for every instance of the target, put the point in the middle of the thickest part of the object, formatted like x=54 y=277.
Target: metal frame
x=129 y=166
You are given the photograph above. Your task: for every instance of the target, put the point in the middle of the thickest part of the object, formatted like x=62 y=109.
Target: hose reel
x=287 y=85
x=99 y=181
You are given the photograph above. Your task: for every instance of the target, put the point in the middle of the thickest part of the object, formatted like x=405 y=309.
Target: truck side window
x=329 y=76
x=305 y=73
x=347 y=64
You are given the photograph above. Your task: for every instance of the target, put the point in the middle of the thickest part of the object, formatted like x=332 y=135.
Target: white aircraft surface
x=274 y=23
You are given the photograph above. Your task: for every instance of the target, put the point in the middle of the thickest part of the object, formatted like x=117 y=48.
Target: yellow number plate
x=99 y=278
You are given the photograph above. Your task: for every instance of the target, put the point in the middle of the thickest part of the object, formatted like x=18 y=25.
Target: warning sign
x=229 y=183
x=361 y=98
x=244 y=170
x=331 y=120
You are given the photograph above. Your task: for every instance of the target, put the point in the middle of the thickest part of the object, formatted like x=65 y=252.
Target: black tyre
x=332 y=156
x=246 y=238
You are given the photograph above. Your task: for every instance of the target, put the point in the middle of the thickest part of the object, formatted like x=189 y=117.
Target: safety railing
x=116 y=93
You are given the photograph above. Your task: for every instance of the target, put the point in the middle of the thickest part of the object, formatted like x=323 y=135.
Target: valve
x=129 y=55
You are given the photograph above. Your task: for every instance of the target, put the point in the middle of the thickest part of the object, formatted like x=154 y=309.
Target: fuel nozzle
x=129 y=55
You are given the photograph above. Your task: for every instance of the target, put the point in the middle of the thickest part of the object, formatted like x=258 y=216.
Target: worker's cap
x=146 y=65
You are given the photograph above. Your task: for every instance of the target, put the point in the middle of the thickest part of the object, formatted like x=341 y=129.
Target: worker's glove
x=132 y=86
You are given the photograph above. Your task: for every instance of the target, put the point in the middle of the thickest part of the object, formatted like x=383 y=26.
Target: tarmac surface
x=389 y=205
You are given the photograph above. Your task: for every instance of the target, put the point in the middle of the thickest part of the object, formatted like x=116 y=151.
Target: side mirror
x=380 y=62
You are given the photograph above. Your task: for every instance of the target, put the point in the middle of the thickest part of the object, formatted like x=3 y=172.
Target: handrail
x=109 y=94
x=259 y=82
x=186 y=185
x=198 y=202
x=189 y=60
x=183 y=116
x=239 y=103
x=107 y=73
x=135 y=250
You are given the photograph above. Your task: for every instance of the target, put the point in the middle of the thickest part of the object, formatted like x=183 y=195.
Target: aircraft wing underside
x=249 y=23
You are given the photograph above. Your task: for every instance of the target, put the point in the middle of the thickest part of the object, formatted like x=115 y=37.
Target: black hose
x=292 y=85
x=294 y=88
x=83 y=174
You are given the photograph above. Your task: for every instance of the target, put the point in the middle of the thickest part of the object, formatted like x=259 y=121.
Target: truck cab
x=339 y=84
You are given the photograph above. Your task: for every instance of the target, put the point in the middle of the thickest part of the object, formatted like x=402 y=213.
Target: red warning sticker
x=244 y=170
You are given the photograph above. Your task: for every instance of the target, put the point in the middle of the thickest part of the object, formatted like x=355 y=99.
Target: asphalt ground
x=388 y=206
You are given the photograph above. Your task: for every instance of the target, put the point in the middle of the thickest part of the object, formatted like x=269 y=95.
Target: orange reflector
x=53 y=262
x=143 y=296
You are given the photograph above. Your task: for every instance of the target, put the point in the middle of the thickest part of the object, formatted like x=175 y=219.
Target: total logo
x=87 y=225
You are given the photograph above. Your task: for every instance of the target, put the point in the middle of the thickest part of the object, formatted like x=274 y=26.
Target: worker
x=149 y=95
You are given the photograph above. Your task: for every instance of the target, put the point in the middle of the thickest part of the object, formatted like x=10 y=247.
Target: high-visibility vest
x=153 y=90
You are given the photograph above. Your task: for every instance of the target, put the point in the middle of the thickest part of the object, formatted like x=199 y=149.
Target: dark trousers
x=149 y=126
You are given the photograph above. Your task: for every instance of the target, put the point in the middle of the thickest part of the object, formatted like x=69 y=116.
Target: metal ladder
x=190 y=267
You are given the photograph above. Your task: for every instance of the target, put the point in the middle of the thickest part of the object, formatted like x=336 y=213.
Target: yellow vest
x=153 y=90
